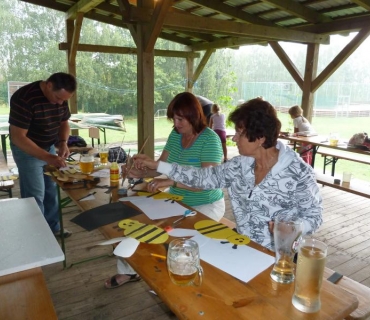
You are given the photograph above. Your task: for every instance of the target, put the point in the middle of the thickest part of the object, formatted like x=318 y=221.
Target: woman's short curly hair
x=257 y=119
x=186 y=105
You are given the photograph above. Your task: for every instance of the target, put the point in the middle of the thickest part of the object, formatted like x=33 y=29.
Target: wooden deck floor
x=78 y=291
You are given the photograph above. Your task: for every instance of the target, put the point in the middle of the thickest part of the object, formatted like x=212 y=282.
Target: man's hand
x=56 y=161
x=63 y=150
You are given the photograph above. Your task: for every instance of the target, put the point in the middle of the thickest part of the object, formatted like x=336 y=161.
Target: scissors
x=187 y=213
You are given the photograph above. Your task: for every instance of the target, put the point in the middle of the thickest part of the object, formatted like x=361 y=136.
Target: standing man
x=38 y=120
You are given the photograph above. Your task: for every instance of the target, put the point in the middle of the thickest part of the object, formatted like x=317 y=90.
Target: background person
x=218 y=124
x=268 y=178
x=192 y=143
x=38 y=119
x=301 y=124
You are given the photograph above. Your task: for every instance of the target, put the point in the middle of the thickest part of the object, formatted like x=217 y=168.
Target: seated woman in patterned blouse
x=268 y=178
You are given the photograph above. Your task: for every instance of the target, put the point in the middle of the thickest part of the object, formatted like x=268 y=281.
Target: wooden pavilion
x=204 y=26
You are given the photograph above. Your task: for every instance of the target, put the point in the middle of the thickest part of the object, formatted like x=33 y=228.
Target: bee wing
x=179 y=232
x=126 y=248
x=110 y=241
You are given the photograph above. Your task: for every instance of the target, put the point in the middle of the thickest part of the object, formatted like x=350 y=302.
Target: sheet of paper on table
x=243 y=263
x=158 y=209
x=103 y=173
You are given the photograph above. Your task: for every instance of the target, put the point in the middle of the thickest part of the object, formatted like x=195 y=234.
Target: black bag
x=76 y=141
x=117 y=154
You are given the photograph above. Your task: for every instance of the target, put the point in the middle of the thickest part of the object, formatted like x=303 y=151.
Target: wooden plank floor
x=78 y=292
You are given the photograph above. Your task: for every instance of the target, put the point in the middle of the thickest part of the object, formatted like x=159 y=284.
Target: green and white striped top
x=206 y=148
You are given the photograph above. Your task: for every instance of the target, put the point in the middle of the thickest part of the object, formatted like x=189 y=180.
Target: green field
x=346 y=127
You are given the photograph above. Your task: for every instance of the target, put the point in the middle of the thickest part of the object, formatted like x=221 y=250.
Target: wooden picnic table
x=221 y=296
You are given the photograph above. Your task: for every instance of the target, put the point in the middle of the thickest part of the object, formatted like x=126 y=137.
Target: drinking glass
x=333 y=139
x=87 y=163
x=287 y=234
x=309 y=275
x=103 y=150
x=183 y=262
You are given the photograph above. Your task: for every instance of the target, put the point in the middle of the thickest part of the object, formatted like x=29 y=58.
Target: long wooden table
x=221 y=296
x=317 y=142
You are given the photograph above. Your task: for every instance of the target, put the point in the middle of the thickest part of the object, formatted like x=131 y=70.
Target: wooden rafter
x=190 y=22
x=298 y=10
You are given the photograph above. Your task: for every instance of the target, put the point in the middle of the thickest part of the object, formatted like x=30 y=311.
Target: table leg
x=60 y=203
x=314 y=151
x=3 y=145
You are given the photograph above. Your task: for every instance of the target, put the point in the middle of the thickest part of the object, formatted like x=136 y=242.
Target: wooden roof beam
x=296 y=9
x=338 y=25
x=363 y=3
x=230 y=28
x=232 y=12
x=81 y=6
x=227 y=43
x=340 y=58
x=156 y=23
x=128 y=50
x=288 y=63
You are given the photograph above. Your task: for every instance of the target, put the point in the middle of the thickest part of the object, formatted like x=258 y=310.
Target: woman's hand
x=132 y=172
x=155 y=184
x=142 y=162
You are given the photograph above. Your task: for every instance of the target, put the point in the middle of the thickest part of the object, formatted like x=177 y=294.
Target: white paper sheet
x=244 y=262
x=158 y=209
x=102 y=173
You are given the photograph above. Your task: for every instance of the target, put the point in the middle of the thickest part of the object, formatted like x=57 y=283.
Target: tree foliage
x=107 y=82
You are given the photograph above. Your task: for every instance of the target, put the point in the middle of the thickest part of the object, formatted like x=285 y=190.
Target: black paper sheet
x=105 y=214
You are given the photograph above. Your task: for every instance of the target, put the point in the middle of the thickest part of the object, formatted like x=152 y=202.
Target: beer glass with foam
x=87 y=163
x=183 y=262
x=103 y=153
x=309 y=275
x=287 y=234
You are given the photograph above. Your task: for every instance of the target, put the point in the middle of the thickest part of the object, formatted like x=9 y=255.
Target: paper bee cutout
x=216 y=230
x=146 y=233
x=136 y=232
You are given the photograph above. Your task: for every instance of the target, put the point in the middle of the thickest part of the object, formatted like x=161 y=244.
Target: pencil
x=158 y=256
x=141 y=149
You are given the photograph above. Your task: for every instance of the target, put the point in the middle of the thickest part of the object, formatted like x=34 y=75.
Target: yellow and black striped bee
x=216 y=230
x=146 y=233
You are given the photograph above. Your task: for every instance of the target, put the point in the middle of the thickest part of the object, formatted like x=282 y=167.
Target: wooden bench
x=359 y=290
x=5 y=185
x=361 y=188
x=331 y=156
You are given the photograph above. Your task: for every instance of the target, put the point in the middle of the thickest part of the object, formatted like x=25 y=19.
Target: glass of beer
x=309 y=275
x=287 y=234
x=103 y=153
x=183 y=262
x=87 y=163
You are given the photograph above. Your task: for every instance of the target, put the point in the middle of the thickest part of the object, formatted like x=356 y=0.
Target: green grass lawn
x=346 y=127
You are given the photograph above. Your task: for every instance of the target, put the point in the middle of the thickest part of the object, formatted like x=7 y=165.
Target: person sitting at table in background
x=191 y=142
x=268 y=178
x=38 y=119
x=301 y=124
x=218 y=124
